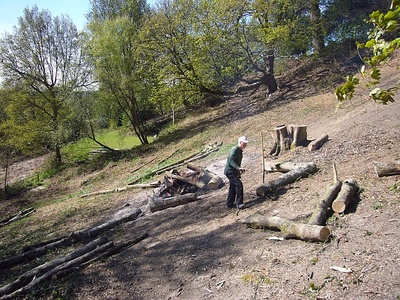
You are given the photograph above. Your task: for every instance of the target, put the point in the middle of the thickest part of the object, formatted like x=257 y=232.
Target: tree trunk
x=163 y=203
x=314 y=145
x=289 y=228
x=287 y=178
x=387 y=169
x=346 y=195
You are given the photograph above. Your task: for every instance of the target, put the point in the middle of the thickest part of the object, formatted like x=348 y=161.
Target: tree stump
x=299 y=135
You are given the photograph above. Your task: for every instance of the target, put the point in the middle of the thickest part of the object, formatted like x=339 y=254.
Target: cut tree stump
x=163 y=203
x=299 y=135
x=290 y=229
x=302 y=171
x=387 y=169
x=314 y=145
x=346 y=195
x=321 y=210
x=214 y=183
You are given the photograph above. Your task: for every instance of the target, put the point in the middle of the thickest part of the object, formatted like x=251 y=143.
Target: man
x=233 y=171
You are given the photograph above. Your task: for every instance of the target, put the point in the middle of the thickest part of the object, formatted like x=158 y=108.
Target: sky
x=10 y=11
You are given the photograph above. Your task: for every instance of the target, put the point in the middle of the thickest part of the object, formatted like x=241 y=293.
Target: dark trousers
x=235 y=190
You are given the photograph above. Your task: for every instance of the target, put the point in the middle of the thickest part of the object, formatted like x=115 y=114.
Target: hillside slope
x=202 y=250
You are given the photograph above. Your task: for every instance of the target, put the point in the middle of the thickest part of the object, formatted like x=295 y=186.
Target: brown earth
x=201 y=250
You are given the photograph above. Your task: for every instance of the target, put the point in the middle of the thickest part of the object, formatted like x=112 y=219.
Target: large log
x=387 y=169
x=290 y=229
x=157 y=204
x=322 y=208
x=314 y=145
x=346 y=195
x=287 y=178
x=283 y=167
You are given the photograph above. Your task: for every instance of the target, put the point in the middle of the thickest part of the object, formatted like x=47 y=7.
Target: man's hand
x=241 y=170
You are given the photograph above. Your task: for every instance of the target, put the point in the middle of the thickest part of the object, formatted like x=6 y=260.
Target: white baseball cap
x=243 y=139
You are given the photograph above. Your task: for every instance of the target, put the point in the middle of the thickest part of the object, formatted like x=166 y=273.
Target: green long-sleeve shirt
x=234 y=160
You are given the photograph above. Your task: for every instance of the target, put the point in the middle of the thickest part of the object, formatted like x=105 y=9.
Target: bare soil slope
x=202 y=250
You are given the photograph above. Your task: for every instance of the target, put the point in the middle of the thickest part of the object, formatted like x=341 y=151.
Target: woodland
x=150 y=222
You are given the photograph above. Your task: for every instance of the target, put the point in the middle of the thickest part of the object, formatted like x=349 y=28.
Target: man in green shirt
x=233 y=171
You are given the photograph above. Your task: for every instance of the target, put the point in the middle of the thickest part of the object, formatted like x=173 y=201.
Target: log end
x=324 y=233
x=338 y=206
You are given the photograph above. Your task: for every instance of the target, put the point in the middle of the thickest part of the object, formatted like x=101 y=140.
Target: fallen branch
x=21 y=214
x=290 y=229
x=287 y=178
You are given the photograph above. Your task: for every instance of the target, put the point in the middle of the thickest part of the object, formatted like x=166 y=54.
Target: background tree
x=113 y=46
x=383 y=41
x=43 y=63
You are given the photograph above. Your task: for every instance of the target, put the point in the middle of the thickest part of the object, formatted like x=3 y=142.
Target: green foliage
x=382 y=44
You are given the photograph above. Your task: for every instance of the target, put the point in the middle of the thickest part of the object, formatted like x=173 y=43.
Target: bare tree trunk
x=287 y=178
x=289 y=228
x=163 y=203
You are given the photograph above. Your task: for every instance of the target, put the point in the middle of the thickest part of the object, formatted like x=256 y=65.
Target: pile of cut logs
x=183 y=187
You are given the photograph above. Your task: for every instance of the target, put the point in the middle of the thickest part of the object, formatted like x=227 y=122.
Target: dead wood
x=287 y=178
x=387 y=169
x=299 y=135
x=21 y=214
x=153 y=184
x=32 y=277
x=290 y=229
x=346 y=195
x=146 y=163
x=314 y=145
x=283 y=167
x=157 y=204
x=188 y=180
x=65 y=241
x=214 y=183
x=96 y=231
x=322 y=208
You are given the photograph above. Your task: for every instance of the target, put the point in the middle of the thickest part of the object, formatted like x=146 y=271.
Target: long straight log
x=287 y=178
x=42 y=269
x=320 y=212
x=290 y=229
x=346 y=195
x=160 y=204
x=69 y=264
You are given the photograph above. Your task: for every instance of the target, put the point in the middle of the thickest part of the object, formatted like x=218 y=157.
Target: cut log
x=214 y=183
x=198 y=184
x=287 y=178
x=163 y=203
x=314 y=145
x=387 y=169
x=290 y=229
x=346 y=195
x=299 y=135
x=322 y=208
x=283 y=167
